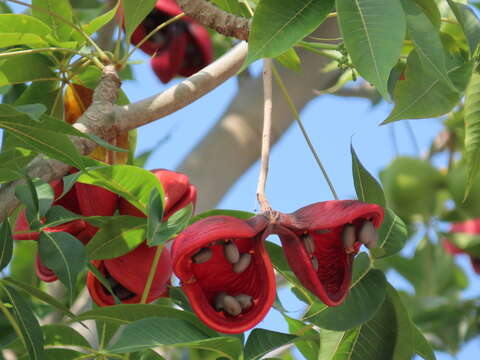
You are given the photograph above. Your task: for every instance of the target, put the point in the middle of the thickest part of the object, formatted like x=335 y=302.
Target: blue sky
x=294 y=178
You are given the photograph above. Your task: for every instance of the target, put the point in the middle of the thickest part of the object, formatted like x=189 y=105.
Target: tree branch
x=215 y=18
x=105 y=119
x=131 y=116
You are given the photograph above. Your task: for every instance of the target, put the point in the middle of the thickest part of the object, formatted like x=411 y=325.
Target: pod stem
x=267 y=130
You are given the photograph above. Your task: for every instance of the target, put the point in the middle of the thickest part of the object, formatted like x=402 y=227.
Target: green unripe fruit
x=410 y=186
x=457 y=183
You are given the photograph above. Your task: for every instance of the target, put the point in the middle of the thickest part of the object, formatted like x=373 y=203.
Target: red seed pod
x=471 y=227
x=215 y=282
x=320 y=241
x=128 y=275
x=178 y=194
x=181 y=48
x=82 y=199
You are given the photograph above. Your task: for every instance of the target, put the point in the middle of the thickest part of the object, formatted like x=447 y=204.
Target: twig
x=412 y=136
x=304 y=132
x=267 y=130
x=221 y=21
x=364 y=90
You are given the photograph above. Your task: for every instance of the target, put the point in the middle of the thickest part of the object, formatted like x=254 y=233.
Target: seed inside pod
x=315 y=263
x=231 y=252
x=244 y=300
x=348 y=238
x=368 y=234
x=122 y=293
x=218 y=302
x=308 y=243
x=201 y=256
x=231 y=305
x=242 y=263
x=111 y=280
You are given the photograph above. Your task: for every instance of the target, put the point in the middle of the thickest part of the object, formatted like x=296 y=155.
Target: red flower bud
x=225 y=271
x=128 y=273
x=181 y=48
x=321 y=240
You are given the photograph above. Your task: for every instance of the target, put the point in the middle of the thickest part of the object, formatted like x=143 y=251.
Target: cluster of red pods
x=181 y=48
x=221 y=261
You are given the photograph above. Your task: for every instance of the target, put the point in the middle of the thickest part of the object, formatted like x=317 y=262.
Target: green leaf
x=125 y=314
x=308 y=348
x=175 y=223
x=37 y=195
x=24 y=68
x=27 y=194
x=261 y=341
x=134 y=11
x=62 y=354
x=233 y=7
x=11 y=163
x=30 y=331
x=58 y=215
x=373 y=32
x=426 y=39
x=48 y=93
x=43 y=10
x=278 y=24
x=472 y=130
x=40 y=295
x=469 y=23
x=18 y=39
x=430 y=9
x=422 y=96
x=43 y=137
x=33 y=111
x=132 y=183
x=290 y=60
x=155 y=215
x=357 y=308
x=100 y=21
x=65 y=255
x=118 y=236
x=404 y=340
x=63 y=335
x=20 y=23
x=153 y=331
x=6 y=244
x=367 y=187
x=21 y=268
x=422 y=346
x=392 y=234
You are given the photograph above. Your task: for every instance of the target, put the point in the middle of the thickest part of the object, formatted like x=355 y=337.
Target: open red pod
x=225 y=272
x=128 y=275
x=320 y=241
x=471 y=227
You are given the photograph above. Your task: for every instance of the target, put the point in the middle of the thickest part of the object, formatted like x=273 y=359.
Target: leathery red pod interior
x=321 y=240
x=127 y=274
x=226 y=272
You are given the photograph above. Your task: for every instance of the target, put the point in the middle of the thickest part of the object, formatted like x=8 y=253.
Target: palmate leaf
x=469 y=23
x=373 y=32
x=117 y=237
x=472 y=129
x=421 y=95
x=366 y=186
x=426 y=39
x=134 y=11
x=278 y=24
x=388 y=335
x=262 y=341
x=42 y=9
x=30 y=331
x=65 y=255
